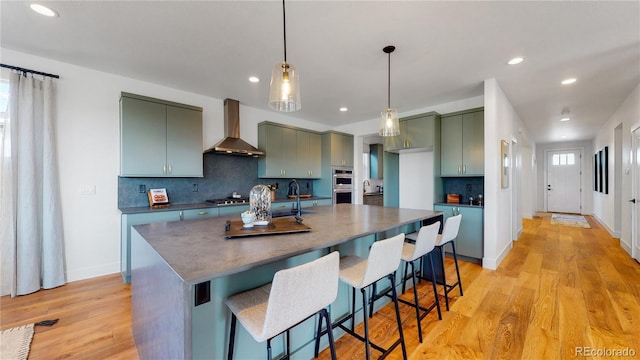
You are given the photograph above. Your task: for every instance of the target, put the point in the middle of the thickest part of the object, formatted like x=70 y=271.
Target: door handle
x=632 y=201
x=548 y=187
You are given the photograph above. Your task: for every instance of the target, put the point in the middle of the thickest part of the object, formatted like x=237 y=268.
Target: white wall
x=501 y=122
x=88 y=152
x=586 y=168
x=628 y=114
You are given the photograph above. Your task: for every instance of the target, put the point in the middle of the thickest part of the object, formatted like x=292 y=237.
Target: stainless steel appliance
x=229 y=201
x=342 y=186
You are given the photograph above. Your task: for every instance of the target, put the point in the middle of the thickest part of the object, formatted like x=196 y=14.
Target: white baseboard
x=93 y=271
x=626 y=247
x=606 y=227
x=492 y=264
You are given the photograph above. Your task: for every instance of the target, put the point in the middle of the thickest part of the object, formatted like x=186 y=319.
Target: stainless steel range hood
x=232 y=144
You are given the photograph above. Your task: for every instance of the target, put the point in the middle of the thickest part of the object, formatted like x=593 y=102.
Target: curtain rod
x=23 y=70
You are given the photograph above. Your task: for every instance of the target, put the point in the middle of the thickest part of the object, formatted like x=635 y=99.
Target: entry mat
x=570 y=220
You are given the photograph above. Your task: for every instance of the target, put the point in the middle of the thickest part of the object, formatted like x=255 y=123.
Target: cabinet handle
x=464 y=169
x=181 y=215
x=164 y=169
x=459 y=170
x=203 y=213
x=169 y=168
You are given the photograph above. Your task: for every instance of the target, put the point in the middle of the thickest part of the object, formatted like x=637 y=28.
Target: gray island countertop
x=197 y=250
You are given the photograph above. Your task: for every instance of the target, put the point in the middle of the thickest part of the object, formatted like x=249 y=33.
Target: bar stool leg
x=444 y=277
x=269 y=357
x=366 y=322
x=435 y=289
x=232 y=337
x=415 y=299
x=392 y=279
x=353 y=309
x=455 y=258
x=404 y=278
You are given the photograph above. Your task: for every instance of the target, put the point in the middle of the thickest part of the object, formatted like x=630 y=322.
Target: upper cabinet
x=290 y=152
x=375 y=161
x=159 y=138
x=462 y=137
x=417 y=133
x=340 y=148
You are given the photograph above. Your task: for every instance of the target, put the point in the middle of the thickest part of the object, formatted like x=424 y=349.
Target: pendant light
x=389 y=123
x=284 y=93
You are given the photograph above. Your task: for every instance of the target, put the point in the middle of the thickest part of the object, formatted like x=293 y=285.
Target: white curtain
x=31 y=235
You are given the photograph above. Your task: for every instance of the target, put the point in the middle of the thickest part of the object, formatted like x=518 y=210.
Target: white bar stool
x=383 y=261
x=450 y=233
x=294 y=295
x=425 y=242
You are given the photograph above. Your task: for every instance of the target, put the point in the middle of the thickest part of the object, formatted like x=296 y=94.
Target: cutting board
x=285 y=225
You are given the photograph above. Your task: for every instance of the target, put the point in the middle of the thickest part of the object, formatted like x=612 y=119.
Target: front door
x=564 y=192
x=635 y=226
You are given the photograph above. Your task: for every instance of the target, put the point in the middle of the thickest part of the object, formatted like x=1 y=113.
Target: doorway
x=564 y=179
x=635 y=192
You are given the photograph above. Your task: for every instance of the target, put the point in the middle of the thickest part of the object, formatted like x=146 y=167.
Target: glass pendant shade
x=284 y=94
x=389 y=123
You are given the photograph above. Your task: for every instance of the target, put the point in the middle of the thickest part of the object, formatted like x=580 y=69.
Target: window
x=564 y=159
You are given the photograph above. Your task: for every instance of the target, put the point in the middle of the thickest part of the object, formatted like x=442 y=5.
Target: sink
x=281 y=213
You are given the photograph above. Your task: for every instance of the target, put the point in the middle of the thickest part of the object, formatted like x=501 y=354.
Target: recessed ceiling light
x=568 y=81
x=566 y=118
x=515 y=60
x=343 y=109
x=563 y=136
x=43 y=10
x=254 y=79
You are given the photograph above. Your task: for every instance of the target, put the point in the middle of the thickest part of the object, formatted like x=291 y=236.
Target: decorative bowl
x=247 y=218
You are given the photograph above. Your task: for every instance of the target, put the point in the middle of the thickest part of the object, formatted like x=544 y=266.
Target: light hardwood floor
x=558 y=288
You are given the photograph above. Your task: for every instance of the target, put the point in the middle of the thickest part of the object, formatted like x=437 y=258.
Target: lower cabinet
x=373 y=199
x=128 y=220
x=470 y=241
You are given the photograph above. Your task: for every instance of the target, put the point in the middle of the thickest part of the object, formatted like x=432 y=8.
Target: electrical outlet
x=142 y=189
x=469 y=187
x=195 y=188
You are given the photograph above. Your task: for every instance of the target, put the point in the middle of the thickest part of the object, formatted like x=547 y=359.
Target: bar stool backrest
x=426 y=240
x=451 y=227
x=384 y=259
x=301 y=291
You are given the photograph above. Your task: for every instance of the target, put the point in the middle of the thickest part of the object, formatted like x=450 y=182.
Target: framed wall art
x=504 y=161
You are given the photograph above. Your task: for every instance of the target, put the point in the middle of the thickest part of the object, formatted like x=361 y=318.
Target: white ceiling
x=444 y=51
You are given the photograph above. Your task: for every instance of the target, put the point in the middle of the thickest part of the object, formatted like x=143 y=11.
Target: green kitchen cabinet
x=339 y=147
x=376 y=163
x=155 y=216
x=462 y=136
x=470 y=240
x=309 y=154
x=159 y=138
x=233 y=210
x=417 y=133
x=289 y=152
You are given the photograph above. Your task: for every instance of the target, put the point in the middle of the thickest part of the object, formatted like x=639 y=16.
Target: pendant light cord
x=284 y=26
x=389 y=83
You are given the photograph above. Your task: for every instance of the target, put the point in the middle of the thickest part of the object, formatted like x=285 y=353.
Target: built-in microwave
x=342 y=179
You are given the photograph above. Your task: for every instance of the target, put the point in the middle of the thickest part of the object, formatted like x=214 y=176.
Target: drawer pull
x=203 y=213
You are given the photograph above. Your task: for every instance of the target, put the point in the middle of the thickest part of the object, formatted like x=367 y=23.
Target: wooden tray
x=302 y=196
x=285 y=225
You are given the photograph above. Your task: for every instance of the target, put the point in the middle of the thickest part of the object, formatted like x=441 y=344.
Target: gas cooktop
x=228 y=201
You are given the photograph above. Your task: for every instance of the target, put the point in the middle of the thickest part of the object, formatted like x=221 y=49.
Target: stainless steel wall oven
x=342 y=184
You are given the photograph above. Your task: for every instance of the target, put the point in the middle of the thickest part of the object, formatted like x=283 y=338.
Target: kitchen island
x=182 y=272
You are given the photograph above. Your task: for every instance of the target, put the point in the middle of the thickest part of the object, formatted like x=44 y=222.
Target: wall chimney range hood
x=232 y=144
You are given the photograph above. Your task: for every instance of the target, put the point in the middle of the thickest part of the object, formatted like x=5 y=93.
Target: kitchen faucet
x=297 y=196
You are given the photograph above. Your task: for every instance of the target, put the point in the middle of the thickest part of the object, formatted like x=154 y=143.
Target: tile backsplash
x=223 y=174
x=465 y=186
